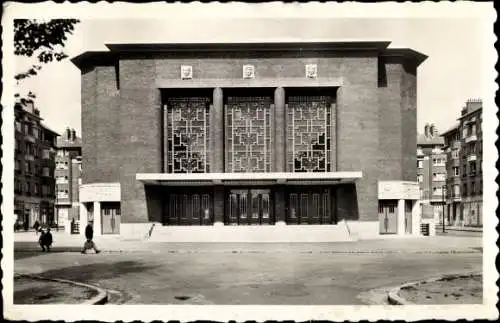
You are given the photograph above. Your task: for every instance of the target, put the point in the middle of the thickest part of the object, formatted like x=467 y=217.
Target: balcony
x=420 y=152
x=456 y=145
x=29 y=157
x=471 y=138
x=30 y=138
x=471 y=157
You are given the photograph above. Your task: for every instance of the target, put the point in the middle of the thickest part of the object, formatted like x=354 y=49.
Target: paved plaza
x=322 y=274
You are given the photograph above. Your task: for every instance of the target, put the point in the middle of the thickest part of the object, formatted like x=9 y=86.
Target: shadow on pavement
x=98 y=271
x=24 y=250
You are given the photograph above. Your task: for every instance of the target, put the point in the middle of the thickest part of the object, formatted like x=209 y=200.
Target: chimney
x=73 y=134
x=432 y=130
x=426 y=130
x=68 y=133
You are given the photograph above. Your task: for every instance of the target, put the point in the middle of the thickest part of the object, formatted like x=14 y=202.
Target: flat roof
x=208 y=179
x=248 y=47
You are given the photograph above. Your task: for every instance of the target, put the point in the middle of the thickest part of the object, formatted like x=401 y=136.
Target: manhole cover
x=182 y=298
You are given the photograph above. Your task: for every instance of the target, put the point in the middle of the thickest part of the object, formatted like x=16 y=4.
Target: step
x=273 y=233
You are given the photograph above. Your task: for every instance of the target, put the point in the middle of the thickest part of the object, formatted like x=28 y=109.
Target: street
x=306 y=274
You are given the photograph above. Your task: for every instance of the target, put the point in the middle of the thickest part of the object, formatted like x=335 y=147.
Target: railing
x=472 y=157
x=471 y=138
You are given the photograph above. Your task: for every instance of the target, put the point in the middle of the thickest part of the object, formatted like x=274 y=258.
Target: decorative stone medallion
x=248 y=71
x=311 y=71
x=186 y=72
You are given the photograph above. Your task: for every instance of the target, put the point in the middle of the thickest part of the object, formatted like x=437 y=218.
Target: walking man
x=89 y=244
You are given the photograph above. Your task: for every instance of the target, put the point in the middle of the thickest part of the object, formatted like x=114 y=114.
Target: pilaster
x=217 y=130
x=279 y=130
x=97 y=219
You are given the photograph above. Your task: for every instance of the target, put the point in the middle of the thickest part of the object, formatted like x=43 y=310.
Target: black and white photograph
x=245 y=161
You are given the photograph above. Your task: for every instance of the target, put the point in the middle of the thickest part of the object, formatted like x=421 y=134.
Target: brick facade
x=374 y=128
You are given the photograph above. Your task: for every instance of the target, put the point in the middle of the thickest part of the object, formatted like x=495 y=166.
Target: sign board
x=104 y=192
x=397 y=190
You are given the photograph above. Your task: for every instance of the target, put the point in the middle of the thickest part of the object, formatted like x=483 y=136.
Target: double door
x=189 y=207
x=249 y=207
x=309 y=205
x=388 y=216
x=110 y=218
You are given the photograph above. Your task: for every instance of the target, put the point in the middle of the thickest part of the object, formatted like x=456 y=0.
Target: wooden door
x=387 y=212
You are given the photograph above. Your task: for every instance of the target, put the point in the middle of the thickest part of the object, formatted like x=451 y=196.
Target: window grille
x=309 y=133
x=188 y=135
x=248 y=134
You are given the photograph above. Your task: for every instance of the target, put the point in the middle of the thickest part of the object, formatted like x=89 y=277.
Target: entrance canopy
x=208 y=179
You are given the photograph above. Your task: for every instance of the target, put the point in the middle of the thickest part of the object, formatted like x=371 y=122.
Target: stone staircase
x=271 y=233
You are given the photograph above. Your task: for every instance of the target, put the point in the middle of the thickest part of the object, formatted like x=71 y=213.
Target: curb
x=393 y=295
x=100 y=299
x=253 y=251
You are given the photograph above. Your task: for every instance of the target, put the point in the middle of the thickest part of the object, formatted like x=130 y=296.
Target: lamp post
x=443 y=190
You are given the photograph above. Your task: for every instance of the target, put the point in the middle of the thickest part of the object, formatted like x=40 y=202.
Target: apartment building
x=431 y=173
x=34 y=164
x=68 y=178
x=464 y=146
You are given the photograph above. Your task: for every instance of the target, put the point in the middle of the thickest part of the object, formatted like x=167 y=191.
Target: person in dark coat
x=37 y=227
x=45 y=240
x=89 y=244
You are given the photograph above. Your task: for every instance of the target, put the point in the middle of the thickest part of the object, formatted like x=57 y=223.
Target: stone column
x=217 y=160
x=97 y=219
x=279 y=154
x=279 y=205
x=401 y=217
x=219 y=205
x=279 y=130
x=83 y=218
x=415 y=218
x=217 y=130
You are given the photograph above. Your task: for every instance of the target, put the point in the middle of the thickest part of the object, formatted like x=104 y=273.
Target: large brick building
x=34 y=168
x=464 y=145
x=68 y=178
x=272 y=134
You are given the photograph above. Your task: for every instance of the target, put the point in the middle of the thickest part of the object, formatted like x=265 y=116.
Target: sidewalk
x=64 y=242
x=459 y=228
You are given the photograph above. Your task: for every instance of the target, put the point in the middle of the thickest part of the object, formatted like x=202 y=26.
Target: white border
x=234 y=10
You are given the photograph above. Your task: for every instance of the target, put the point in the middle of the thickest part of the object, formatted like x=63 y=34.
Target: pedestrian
x=89 y=244
x=45 y=240
x=37 y=227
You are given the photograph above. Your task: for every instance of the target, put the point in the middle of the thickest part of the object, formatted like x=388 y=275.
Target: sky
x=454 y=72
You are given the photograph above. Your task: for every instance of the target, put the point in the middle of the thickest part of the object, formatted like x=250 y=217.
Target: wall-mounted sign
x=186 y=72
x=398 y=190
x=311 y=71
x=248 y=71
x=100 y=192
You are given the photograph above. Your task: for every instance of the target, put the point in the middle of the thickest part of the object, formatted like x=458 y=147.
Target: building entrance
x=388 y=216
x=311 y=205
x=249 y=207
x=189 y=207
x=110 y=217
